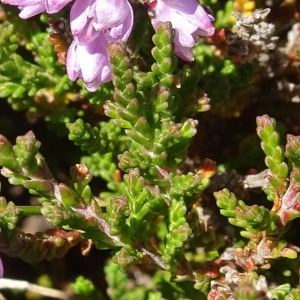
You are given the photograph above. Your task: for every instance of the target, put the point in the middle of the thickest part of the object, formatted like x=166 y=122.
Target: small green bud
x=67 y=195
x=156 y=70
x=292 y=149
x=188 y=129
x=167 y=80
x=238 y=223
x=87 y=194
x=226 y=201
x=122 y=123
x=166 y=65
x=19 y=92
x=142 y=126
x=111 y=110
x=273 y=140
x=11 y=216
x=145 y=79
x=163 y=34
x=13 y=178
x=126 y=115
x=266 y=126
x=83 y=287
x=7 y=157
x=138 y=137
x=7 y=89
x=39 y=187
x=269 y=151
x=55 y=213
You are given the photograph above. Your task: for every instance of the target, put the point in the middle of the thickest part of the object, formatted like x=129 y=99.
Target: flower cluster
x=95 y=23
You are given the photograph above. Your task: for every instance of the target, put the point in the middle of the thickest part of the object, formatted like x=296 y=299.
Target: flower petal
x=30 y=11
x=29 y=8
x=110 y=13
x=89 y=62
x=188 y=19
x=79 y=14
x=93 y=58
x=1 y=269
x=72 y=62
x=54 y=6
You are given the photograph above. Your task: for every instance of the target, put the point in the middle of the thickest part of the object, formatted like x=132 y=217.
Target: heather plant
x=176 y=203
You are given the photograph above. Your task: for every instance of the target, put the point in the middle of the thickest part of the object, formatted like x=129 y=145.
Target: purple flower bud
x=94 y=23
x=188 y=19
x=30 y=8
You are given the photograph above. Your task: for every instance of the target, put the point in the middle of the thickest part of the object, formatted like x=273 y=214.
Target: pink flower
x=113 y=17
x=188 y=19
x=30 y=8
x=94 y=23
x=89 y=62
